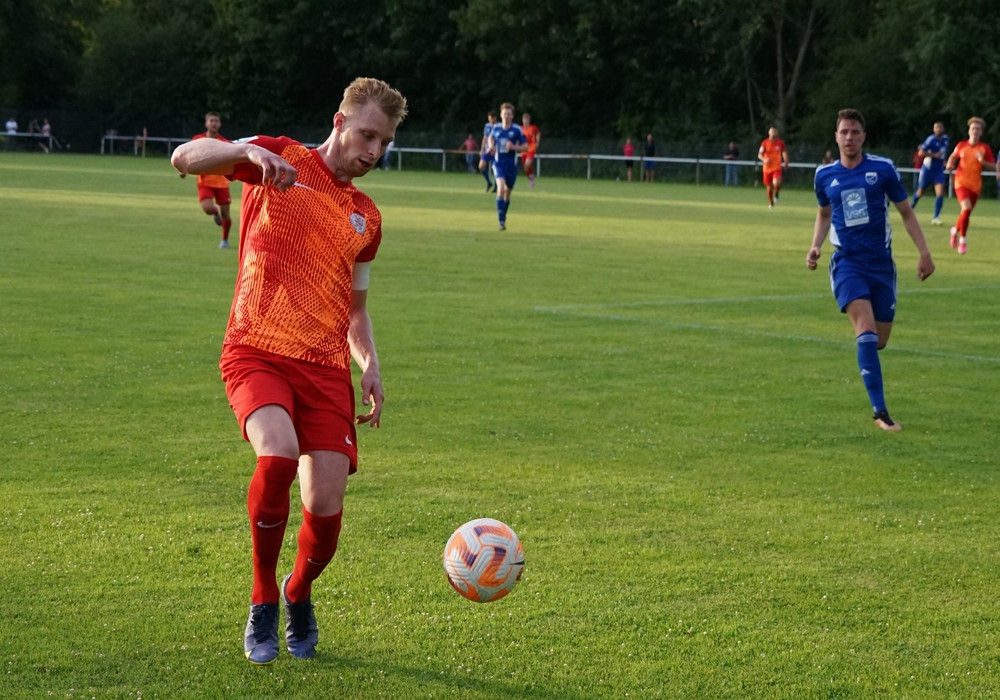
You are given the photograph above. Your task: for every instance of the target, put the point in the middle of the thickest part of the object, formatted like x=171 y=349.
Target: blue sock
x=938 y=203
x=486 y=176
x=871 y=369
x=506 y=206
x=501 y=210
x=916 y=198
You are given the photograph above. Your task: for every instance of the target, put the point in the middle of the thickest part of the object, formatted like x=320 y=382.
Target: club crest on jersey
x=359 y=223
x=871 y=178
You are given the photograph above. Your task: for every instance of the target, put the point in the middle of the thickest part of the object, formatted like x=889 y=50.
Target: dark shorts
x=928 y=178
x=852 y=279
x=319 y=399
x=505 y=169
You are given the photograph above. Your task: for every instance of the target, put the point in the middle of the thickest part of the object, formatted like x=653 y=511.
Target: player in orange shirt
x=215 y=187
x=774 y=156
x=971 y=156
x=299 y=316
x=534 y=137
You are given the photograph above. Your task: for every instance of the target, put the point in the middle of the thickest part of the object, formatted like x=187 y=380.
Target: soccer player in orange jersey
x=971 y=155
x=534 y=137
x=774 y=156
x=299 y=316
x=215 y=187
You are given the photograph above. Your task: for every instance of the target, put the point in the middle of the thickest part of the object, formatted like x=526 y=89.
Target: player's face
x=975 y=132
x=507 y=117
x=213 y=124
x=850 y=138
x=938 y=129
x=364 y=136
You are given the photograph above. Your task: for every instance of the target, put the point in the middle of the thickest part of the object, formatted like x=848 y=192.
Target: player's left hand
x=372 y=395
x=925 y=268
x=812 y=257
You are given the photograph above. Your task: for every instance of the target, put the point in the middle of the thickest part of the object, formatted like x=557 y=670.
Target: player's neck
x=852 y=161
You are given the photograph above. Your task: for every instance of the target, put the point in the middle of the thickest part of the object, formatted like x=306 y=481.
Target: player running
x=215 y=187
x=774 y=156
x=534 y=137
x=934 y=152
x=853 y=195
x=506 y=140
x=971 y=156
x=486 y=157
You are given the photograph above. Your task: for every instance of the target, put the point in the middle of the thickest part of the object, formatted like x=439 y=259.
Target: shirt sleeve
x=820 y=188
x=250 y=173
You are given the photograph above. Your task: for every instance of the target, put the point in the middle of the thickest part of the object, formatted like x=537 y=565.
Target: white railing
x=41 y=139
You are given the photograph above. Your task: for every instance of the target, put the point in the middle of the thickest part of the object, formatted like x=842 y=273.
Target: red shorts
x=529 y=155
x=772 y=177
x=965 y=193
x=219 y=194
x=319 y=399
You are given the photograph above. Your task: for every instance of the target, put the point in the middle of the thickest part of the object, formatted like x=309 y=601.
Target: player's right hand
x=812 y=257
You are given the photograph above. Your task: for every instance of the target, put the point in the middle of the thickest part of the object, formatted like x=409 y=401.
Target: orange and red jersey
x=772 y=150
x=297 y=255
x=531 y=133
x=969 y=173
x=212 y=180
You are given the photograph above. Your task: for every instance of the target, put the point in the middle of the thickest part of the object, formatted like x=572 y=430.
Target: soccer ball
x=483 y=560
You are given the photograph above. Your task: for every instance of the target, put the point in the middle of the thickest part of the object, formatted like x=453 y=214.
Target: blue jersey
x=936 y=147
x=859 y=198
x=507 y=137
x=487 y=130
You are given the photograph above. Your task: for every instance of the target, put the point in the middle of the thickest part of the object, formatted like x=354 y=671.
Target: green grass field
x=644 y=381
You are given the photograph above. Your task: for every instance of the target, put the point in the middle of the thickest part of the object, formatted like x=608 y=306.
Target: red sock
x=317 y=545
x=267 y=505
x=963 y=221
x=770 y=196
x=226 y=225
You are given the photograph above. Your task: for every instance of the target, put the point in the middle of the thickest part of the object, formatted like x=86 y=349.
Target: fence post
x=697 y=171
x=588 y=166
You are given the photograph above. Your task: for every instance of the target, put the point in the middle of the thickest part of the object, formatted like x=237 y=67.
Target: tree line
x=686 y=70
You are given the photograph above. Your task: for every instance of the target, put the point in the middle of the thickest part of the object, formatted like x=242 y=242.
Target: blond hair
x=977 y=120
x=361 y=91
x=506 y=105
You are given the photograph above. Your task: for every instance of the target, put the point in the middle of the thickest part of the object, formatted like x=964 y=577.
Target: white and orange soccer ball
x=483 y=560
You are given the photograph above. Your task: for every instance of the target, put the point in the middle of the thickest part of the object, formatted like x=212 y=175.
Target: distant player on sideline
x=534 y=137
x=506 y=140
x=933 y=153
x=298 y=318
x=971 y=156
x=853 y=195
x=486 y=157
x=774 y=156
x=215 y=187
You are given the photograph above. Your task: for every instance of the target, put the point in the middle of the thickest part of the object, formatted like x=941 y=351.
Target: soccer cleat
x=217 y=218
x=936 y=221
x=882 y=420
x=954 y=237
x=770 y=206
x=260 y=639
x=224 y=244
x=961 y=246
x=301 y=631
x=503 y=226
x=489 y=188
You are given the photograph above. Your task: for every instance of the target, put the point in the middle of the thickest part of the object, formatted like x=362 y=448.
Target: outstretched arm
x=214 y=157
x=925 y=267
x=820 y=229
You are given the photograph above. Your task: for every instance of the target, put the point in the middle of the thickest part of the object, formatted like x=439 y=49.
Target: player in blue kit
x=934 y=150
x=507 y=139
x=486 y=155
x=853 y=195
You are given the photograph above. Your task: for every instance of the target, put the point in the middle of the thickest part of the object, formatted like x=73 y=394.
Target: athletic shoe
x=224 y=244
x=260 y=639
x=503 y=226
x=301 y=631
x=489 y=187
x=936 y=221
x=217 y=218
x=882 y=420
x=961 y=246
x=770 y=206
x=954 y=237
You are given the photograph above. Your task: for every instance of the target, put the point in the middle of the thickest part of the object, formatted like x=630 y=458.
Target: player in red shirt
x=534 y=137
x=971 y=156
x=774 y=156
x=299 y=316
x=215 y=187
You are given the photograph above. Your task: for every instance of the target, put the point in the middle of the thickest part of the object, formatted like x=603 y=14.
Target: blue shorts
x=929 y=177
x=486 y=157
x=874 y=280
x=505 y=169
